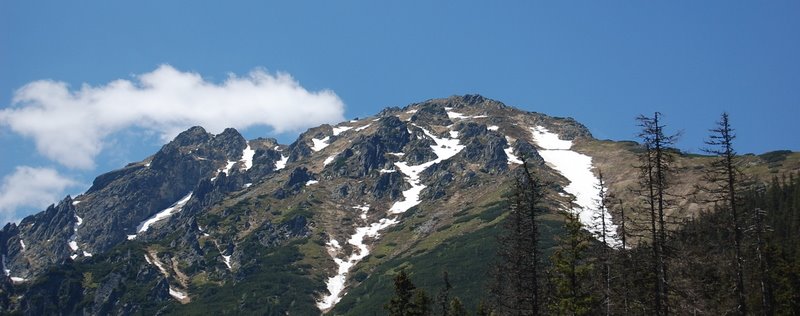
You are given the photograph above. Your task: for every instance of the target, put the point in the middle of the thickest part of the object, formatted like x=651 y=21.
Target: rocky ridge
x=328 y=211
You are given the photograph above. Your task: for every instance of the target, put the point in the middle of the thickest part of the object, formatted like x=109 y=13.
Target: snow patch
x=493 y=128
x=165 y=213
x=75 y=203
x=583 y=184
x=72 y=241
x=22 y=244
x=247 y=185
x=18 y=280
x=227 y=260
x=388 y=170
x=455 y=115
x=177 y=294
x=87 y=254
x=329 y=160
x=227 y=168
x=320 y=144
x=131 y=237
x=511 y=157
x=280 y=164
x=339 y=130
x=310 y=182
x=363 y=127
x=6 y=270
x=397 y=154
x=247 y=157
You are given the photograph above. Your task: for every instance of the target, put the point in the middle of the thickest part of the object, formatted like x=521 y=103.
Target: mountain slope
x=216 y=222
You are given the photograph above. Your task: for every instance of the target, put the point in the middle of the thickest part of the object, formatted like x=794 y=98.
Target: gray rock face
x=45 y=236
x=119 y=201
x=367 y=154
x=431 y=114
x=271 y=236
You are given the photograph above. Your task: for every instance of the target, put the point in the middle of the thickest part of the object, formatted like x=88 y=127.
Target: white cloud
x=70 y=126
x=31 y=187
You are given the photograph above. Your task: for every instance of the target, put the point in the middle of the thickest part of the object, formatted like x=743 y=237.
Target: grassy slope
x=467 y=257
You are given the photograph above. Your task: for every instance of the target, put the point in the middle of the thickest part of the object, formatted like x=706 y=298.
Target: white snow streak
x=6 y=270
x=329 y=160
x=227 y=168
x=511 y=157
x=445 y=148
x=177 y=294
x=247 y=157
x=18 y=279
x=22 y=244
x=280 y=164
x=493 y=128
x=310 y=182
x=165 y=213
x=227 y=260
x=75 y=202
x=320 y=144
x=72 y=243
x=341 y=129
x=363 y=127
x=583 y=185
x=336 y=284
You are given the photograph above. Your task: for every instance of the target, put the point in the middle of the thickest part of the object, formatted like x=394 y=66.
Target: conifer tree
x=723 y=181
x=444 y=295
x=457 y=308
x=408 y=300
x=572 y=269
x=515 y=288
x=655 y=170
x=603 y=227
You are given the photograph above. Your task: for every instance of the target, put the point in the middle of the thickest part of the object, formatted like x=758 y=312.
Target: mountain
x=224 y=224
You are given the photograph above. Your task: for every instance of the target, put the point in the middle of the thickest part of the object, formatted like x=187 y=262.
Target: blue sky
x=602 y=63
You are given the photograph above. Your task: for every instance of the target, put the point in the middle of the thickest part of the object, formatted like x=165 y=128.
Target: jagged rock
x=270 y=236
x=431 y=114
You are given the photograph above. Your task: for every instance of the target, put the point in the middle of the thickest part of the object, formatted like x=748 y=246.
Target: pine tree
x=403 y=291
x=601 y=221
x=760 y=230
x=655 y=168
x=457 y=308
x=420 y=305
x=515 y=288
x=444 y=295
x=722 y=177
x=571 y=273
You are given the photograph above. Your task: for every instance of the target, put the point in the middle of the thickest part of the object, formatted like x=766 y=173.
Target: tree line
x=740 y=256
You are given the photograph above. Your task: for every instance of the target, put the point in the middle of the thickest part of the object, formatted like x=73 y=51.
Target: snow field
x=584 y=185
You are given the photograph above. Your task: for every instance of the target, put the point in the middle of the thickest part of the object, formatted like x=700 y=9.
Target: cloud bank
x=31 y=187
x=69 y=127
